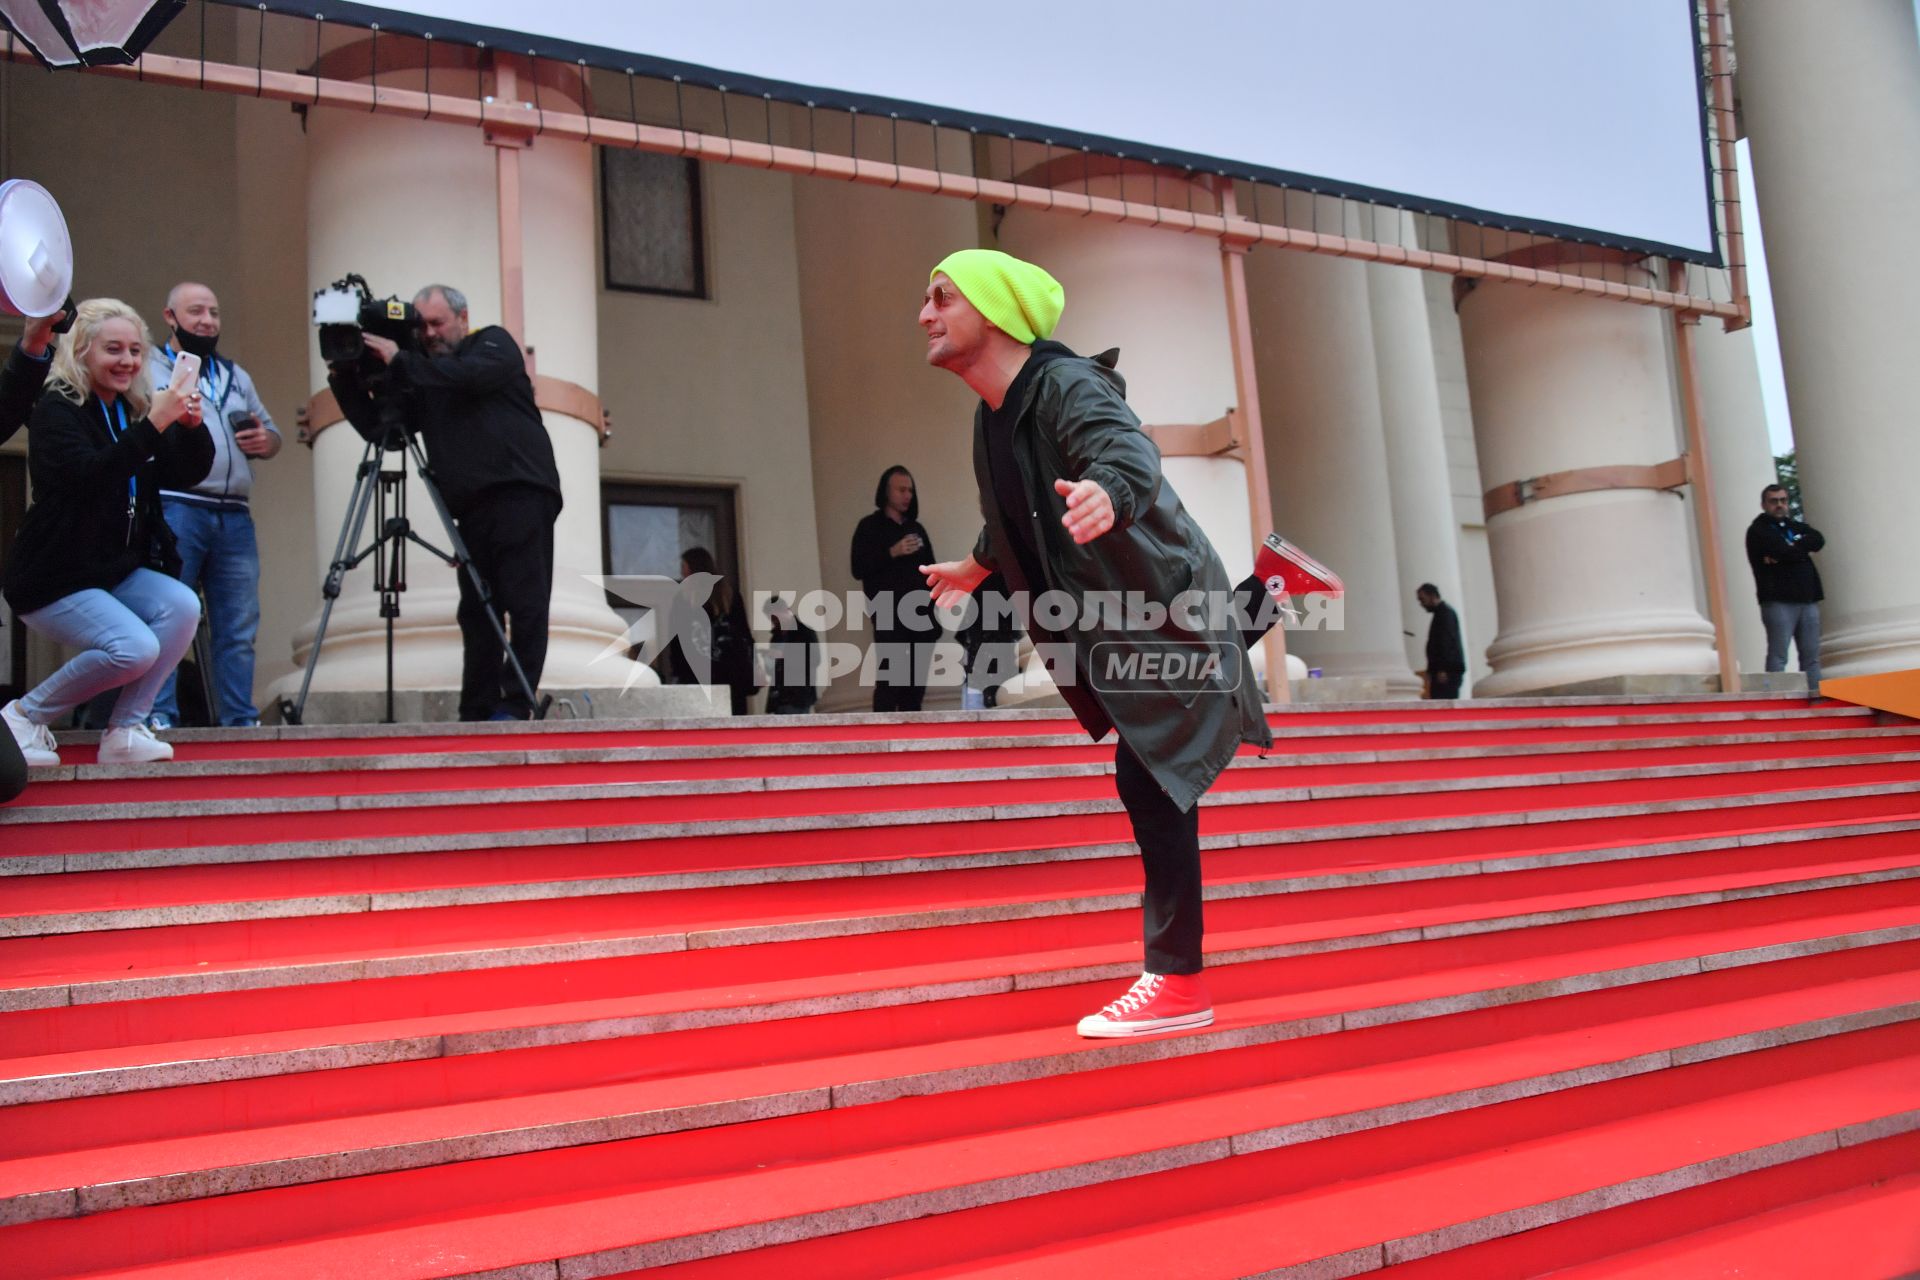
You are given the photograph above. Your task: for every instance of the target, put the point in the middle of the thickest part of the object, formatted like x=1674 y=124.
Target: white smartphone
x=186 y=370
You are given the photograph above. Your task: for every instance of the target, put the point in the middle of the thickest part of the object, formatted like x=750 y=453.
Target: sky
x=1766 y=339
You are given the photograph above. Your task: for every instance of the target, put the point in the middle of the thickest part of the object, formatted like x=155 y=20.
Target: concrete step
x=1561 y=1168
x=293 y=742
x=1828 y=1214
x=99 y=966
x=735 y=775
x=377 y=825
x=1118 y=1165
x=81 y=1050
x=91 y=1155
x=201 y=780
x=1317 y=856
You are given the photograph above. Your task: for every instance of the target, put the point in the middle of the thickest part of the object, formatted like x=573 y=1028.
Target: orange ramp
x=1895 y=691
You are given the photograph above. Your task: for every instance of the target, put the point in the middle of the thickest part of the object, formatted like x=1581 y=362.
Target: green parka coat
x=1186 y=724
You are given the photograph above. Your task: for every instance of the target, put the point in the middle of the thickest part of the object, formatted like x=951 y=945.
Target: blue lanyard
x=133 y=479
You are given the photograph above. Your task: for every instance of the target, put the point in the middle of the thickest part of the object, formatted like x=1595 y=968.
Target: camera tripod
x=381 y=490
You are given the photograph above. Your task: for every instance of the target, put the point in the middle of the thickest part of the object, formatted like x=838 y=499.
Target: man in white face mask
x=213 y=521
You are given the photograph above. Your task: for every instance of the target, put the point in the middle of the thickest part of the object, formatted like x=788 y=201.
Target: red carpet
x=1579 y=988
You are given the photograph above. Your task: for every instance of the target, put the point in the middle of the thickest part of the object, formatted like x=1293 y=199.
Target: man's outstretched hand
x=1089 y=509
x=952 y=581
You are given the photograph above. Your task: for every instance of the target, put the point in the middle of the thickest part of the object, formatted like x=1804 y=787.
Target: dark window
x=645 y=529
x=650 y=223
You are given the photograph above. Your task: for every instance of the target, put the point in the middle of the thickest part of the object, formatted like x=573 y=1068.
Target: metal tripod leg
x=365 y=482
x=203 y=662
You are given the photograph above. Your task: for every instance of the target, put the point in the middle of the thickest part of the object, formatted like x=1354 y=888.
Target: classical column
x=406 y=203
x=1595 y=580
x=1830 y=94
x=1426 y=534
x=1161 y=299
x=1327 y=455
x=1737 y=442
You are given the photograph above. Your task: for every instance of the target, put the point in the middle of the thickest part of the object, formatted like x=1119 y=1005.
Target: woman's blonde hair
x=69 y=378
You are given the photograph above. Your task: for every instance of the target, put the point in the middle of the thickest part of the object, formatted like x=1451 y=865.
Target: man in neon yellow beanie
x=1074 y=501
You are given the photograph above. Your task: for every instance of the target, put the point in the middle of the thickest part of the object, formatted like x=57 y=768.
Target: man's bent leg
x=480 y=651
x=522 y=584
x=1255 y=611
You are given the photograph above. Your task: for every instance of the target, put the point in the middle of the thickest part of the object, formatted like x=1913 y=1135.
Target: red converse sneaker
x=1156 y=1002
x=1287 y=570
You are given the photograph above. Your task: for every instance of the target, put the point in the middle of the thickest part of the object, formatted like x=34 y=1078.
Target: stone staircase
x=1621 y=988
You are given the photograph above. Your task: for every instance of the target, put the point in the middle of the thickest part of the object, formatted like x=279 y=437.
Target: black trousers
x=1169 y=840
x=902 y=657
x=509 y=534
x=13 y=767
x=1169 y=843
x=1443 y=685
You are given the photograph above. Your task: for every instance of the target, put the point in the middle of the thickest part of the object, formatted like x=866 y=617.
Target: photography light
x=36 y=254
x=66 y=33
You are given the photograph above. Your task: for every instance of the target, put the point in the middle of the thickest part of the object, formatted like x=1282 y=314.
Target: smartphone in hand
x=186 y=371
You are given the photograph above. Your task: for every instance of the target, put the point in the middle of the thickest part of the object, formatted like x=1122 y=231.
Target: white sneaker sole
x=132 y=758
x=1095 y=1027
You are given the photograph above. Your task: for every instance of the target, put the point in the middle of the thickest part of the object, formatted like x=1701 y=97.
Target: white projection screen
x=1576 y=118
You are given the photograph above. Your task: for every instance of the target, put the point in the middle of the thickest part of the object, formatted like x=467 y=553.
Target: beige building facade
x=1392 y=400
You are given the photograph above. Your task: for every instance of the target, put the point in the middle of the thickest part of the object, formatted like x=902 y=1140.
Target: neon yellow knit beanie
x=1016 y=297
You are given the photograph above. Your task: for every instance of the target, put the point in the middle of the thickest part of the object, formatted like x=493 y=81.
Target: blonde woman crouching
x=89 y=569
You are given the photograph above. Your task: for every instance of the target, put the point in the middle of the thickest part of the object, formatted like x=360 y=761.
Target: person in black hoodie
x=1446 y=659
x=469 y=397
x=791 y=654
x=1780 y=549
x=83 y=570
x=889 y=546
x=727 y=658
x=21 y=378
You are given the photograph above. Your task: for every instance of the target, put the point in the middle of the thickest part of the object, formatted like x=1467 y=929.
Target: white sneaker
x=36 y=740
x=133 y=744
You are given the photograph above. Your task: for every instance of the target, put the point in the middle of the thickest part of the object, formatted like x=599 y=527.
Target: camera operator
x=469 y=397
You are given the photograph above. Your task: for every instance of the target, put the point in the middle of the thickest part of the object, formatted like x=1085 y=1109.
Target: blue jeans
x=1799 y=623
x=219 y=556
x=129 y=638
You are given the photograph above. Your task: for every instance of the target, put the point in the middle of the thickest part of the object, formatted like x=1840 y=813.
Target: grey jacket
x=225 y=389
x=1075 y=425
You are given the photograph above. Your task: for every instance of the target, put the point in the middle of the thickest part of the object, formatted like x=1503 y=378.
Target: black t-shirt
x=1016 y=515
